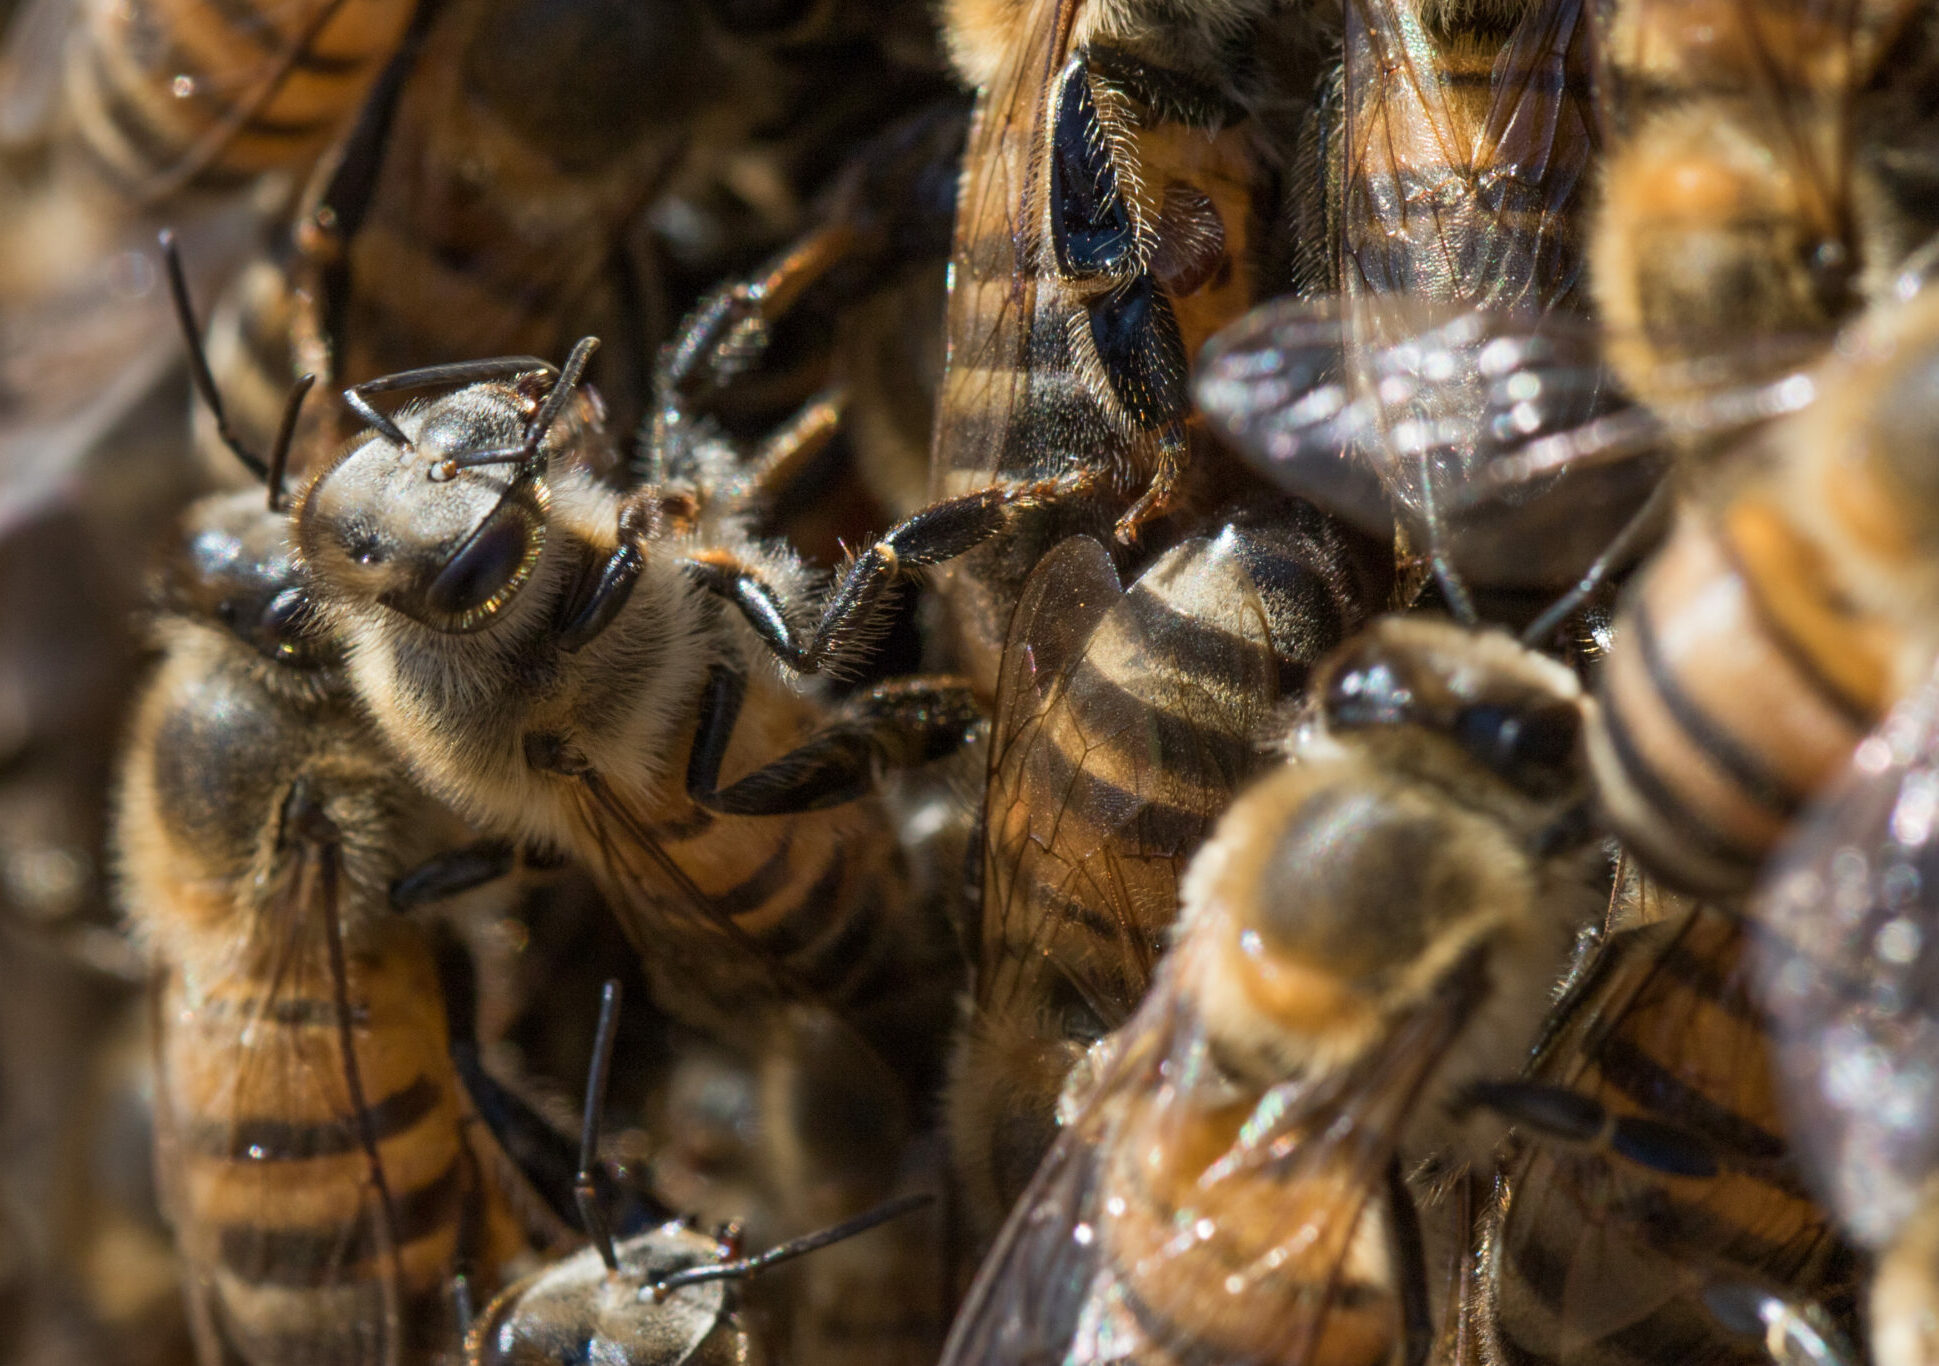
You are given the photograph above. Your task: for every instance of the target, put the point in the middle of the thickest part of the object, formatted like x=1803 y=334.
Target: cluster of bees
x=1367 y=794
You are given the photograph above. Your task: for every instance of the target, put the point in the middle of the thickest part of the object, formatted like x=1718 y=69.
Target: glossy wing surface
x=1849 y=970
x=291 y=1217
x=1182 y=1214
x=1443 y=422
x=1126 y=720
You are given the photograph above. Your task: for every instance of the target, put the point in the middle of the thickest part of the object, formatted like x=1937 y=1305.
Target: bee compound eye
x=1528 y=746
x=479 y=577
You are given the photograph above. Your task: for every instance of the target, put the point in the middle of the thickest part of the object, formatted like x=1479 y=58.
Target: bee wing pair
x=1437 y=206
x=272 y=1157
x=1179 y=1217
x=1123 y=728
x=1849 y=970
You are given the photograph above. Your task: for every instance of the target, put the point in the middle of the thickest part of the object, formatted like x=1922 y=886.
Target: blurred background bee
x=1770 y=167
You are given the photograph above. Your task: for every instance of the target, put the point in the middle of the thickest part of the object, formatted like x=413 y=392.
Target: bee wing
x=1664 y=1026
x=1848 y=968
x=1434 y=208
x=291 y=1214
x=1125 y=721
x=1385 y=409
x=1181 y=1217
x=1004 y=361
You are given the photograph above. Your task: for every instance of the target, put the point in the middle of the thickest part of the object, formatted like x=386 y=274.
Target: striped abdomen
x=173 y=94
x=272 y=1189
x=1600 y=1260
x=1738 y=684
x=732 y=915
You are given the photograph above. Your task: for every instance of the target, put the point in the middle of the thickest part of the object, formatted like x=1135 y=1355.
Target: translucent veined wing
x=1663 y=1027
x=305 y=1180
x=1125 y=722
x=1010 y=393
x=1416 y=430
x=1848 y=968
x=1181 y=1214
x=1457 y=196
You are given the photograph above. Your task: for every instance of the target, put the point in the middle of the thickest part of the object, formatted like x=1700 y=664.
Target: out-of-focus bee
x=1786 y=611
x=556 y=659
x=1771 y=166
x=1657 y=1165
x=662 y=1297
x=1371 y=924
x=476 y=212
x=1119 y=185
x=1850 y=976
x=1126 y=719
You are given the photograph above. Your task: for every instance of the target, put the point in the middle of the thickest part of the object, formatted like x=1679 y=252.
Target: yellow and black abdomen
x=1737 y=686
x=166 y=95
x=275 y=1198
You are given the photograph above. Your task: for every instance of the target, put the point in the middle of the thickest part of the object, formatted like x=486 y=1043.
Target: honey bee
x=665 y=1295
x=1790 y=606
x=1125 y=721
x=474 y=212
x=313 y=1137
x=1368 y=927
x=1766 y=178
x=1657 y=1164
x=1121 y=173
x=1454 y=147
x=553 y=658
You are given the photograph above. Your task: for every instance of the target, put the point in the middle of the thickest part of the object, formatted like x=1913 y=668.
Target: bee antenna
x=570 y=374
x=585 y=1186
x=788 y=1251
x=178 y=291
x=1641 y=523
x=279 y=454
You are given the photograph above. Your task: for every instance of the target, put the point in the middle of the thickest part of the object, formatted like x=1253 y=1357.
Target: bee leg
x=1560 y=1115
x=1159 y=494
x=896 y=725
x=1410 y=1269
x=452 y=872
x=590 y=610
x=938 y=533
x=540 y=1152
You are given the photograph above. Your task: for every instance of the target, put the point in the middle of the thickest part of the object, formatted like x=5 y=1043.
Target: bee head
x=237 y=570
x=410 y=526
x=1497 y=704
